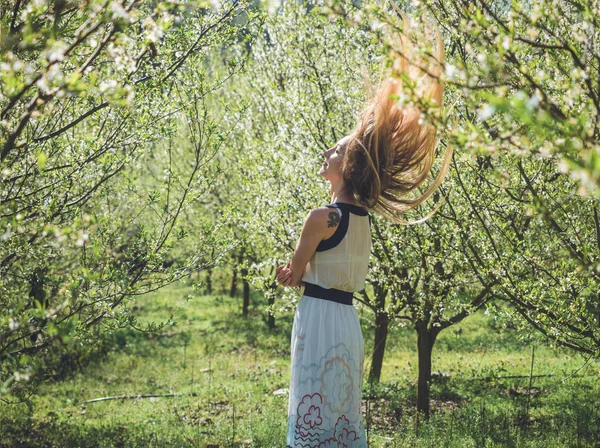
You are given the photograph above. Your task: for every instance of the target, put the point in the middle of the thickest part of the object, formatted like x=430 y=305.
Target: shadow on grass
x=499 y=413
x=21 y=433
x=216 y=323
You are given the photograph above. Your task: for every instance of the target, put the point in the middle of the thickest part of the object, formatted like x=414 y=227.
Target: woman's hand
x=284 y=274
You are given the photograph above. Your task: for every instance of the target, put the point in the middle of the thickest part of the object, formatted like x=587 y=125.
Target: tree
x=106 y=136
x=514 y=215
x=528 y=105
x=302 y=90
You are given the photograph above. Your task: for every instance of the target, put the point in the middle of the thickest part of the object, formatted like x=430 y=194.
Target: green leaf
x=41 y=160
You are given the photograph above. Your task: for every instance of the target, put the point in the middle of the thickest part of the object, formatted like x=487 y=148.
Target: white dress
x=327 y=352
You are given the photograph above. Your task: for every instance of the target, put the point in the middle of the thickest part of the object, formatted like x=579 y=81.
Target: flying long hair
x=393 y=146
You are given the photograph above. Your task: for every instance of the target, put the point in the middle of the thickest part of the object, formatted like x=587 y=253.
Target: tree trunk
x=425 y=341
x=233 y=289
x=271 y=292
x=209 y=280
x=381 y=332
x=271 y=317
x=246 y=285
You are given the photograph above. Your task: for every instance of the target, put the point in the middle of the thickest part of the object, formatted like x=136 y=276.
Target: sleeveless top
x=342 y=260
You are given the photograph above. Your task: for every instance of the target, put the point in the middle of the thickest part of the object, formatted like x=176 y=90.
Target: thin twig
x=123 y=397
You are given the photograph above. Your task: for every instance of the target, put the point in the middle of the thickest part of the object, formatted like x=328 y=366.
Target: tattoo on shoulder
x=334 y=219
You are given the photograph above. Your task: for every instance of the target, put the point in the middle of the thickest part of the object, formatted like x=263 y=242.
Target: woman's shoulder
x=322 y=213
x=324 y=217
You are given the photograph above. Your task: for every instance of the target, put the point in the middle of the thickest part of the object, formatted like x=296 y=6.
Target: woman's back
x=342 y=261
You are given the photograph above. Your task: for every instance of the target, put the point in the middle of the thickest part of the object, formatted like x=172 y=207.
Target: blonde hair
x=393 y=148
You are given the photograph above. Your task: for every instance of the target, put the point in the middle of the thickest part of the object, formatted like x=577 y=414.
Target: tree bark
x=271 y=292
x=425 y=341
x=381 y=332
x=271 y=317
x=246 y=296
x=209 y=280
x=233 y=289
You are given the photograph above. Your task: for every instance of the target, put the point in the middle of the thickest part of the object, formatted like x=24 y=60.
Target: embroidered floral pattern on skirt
x=326 y=376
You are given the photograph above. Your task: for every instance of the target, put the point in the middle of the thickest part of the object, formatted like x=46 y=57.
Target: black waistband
x=332 y=294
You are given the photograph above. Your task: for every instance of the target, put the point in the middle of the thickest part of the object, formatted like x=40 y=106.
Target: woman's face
x=334 y=158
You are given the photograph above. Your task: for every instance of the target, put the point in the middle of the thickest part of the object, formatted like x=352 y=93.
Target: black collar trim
x=352 y=208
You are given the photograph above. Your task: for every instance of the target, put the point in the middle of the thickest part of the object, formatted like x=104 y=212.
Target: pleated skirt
x=327 y=355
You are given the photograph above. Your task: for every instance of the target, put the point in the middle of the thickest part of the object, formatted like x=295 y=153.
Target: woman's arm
x=320 y=224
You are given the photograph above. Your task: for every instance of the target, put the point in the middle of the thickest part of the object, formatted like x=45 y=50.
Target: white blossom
x=154 y=32
x=563 y=166
x=486 y=112
x=53 y=72
x=29 y=69
x=113 y=51
x=532 y=102
x=108 y=85
x=56 y=52
x=377 y=25
x=545 y=152
x=118 y=12
x=451 y=71
x=13 y=324
x=82 y=239
x=21 y=376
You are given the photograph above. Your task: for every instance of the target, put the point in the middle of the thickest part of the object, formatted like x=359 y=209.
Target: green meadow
x=215 y=379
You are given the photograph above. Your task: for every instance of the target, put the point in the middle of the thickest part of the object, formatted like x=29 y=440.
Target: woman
x=388 y=155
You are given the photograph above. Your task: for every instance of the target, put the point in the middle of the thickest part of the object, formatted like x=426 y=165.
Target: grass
x=227 y=374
